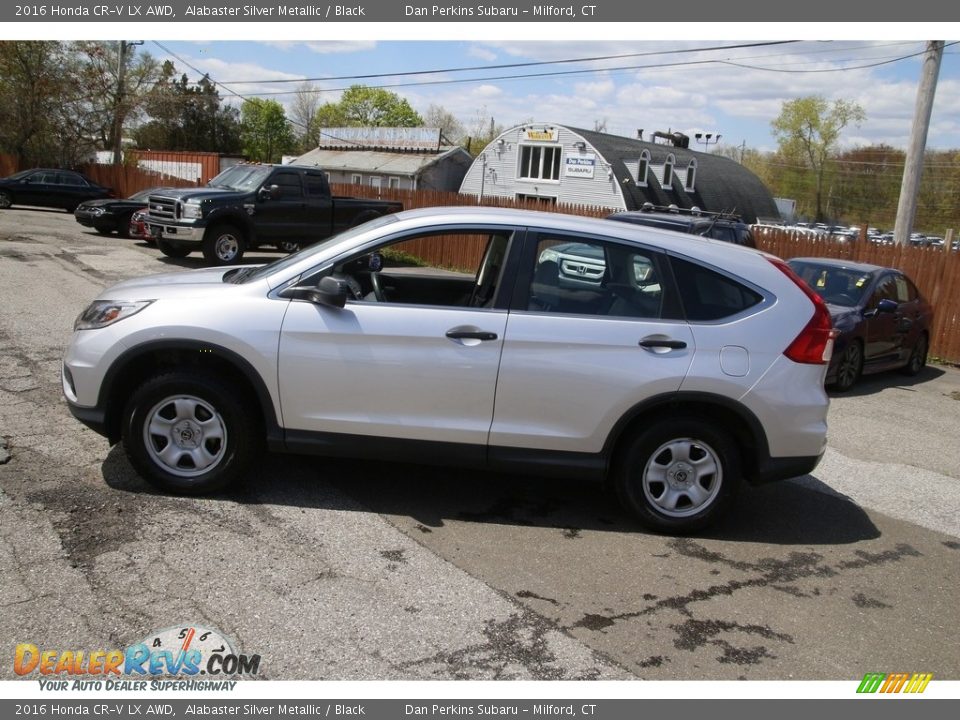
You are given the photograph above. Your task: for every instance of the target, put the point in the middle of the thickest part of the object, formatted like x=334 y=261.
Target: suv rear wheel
x=188 y=433
x=678 y=475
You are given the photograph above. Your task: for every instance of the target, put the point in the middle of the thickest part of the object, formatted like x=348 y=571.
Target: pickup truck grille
x=163 y=208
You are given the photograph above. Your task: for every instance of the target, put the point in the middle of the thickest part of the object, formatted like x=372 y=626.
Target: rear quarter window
x=709 y=295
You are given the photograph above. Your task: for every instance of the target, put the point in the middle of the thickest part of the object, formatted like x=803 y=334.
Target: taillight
x=814 y=344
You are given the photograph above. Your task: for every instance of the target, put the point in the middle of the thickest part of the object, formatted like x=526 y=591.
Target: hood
x=112 y=202
x=188 y=283
x=200 y=193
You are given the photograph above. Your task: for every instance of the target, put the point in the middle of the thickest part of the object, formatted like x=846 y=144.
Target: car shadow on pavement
x=873 y=384
x=779 y=513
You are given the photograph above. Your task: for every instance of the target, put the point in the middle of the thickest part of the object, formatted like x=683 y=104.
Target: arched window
x=643 y=169
x=668 y=172
x=691 y=179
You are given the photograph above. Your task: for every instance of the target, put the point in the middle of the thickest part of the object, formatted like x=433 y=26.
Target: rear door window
x=710 y=295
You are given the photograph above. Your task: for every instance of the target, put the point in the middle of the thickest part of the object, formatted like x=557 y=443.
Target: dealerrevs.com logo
x=187 y=651
x=894 y=683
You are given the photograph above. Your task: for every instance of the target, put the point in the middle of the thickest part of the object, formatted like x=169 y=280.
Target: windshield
x=241 y=177
x=836 y=285
x=285 y=262
x=21 y=174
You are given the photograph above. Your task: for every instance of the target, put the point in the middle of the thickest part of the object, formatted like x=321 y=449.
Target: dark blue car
x=883 y=320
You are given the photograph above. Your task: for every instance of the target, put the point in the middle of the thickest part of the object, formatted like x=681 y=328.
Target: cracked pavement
x=342 y=570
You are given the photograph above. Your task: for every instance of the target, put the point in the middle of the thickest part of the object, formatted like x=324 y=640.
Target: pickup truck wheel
x=223 y=245
x=174 y=251
x=189 y=433
x=678 y=475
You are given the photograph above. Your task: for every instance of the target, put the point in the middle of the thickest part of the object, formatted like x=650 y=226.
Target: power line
x=505 y=66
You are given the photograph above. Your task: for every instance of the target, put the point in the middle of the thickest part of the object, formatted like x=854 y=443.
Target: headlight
x=548 y=255
x=192 y=211
x=101 y=313
x=98 y=211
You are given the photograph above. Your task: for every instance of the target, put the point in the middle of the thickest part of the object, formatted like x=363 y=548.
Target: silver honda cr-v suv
x=679 y=367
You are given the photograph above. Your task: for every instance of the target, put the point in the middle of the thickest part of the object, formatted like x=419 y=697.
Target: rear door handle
x=656 y=344
x=458 y=334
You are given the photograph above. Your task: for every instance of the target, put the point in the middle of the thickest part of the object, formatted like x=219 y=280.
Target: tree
x=31 y=86
x=264 y=130
x=303 y=116
x=439 y=117
x=482 y=131
x=117 y=81
x=808 y=129
x=362 y=106
x=186 y=116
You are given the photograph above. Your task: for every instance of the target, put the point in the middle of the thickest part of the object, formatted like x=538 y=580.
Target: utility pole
x=117 y=129
x=913 y=168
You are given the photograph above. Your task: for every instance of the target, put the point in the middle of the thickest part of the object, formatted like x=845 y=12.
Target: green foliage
x=264 y=130
x=188 y=117
x=807 y=132
x=362 y=106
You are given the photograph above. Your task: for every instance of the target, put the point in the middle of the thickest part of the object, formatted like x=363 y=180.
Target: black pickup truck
x=248 y=206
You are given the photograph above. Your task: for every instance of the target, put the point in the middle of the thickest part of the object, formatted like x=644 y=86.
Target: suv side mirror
x=330 y=291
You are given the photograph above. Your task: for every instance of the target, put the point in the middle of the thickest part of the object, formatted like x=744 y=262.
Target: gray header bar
x=113 y=708
x=392 y=11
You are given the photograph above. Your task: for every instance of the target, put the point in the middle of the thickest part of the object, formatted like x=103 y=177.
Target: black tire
x=189 y=433
x=681 y=461
x=174 y=251
x=918 y=357
x=849 y=367
x=223 y=245
x=123 y=225
x=6 y=200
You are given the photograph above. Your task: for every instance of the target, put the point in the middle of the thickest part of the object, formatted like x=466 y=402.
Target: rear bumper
x=783 y=468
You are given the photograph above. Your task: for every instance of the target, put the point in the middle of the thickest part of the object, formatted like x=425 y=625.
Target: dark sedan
x=884 y=321
x=108 y=215
x=44 y=187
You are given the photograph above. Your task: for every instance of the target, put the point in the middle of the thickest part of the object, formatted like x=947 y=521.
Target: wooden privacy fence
x=127 y=179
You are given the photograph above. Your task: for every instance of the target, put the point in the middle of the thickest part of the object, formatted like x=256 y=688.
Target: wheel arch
x=138 y=364
x=231 y=216
x=728 y=415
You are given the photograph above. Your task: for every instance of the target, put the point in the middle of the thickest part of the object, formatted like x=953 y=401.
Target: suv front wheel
x=678 y=475
x=188 y=433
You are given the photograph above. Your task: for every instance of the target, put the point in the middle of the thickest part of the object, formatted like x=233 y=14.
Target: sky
x=691 y=86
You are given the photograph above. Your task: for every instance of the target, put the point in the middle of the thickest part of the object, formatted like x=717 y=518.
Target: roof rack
x=695 y=211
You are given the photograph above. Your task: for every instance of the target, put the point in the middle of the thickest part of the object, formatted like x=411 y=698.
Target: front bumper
x=177 y=234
